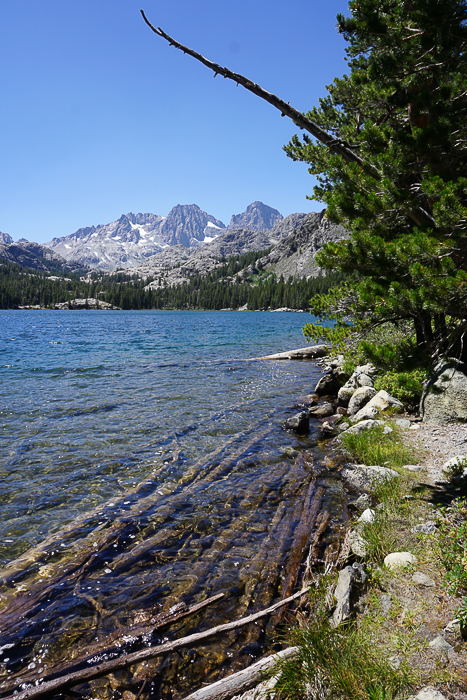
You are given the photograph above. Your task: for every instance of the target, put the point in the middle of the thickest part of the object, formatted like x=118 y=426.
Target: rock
x=445 y=397
x=453 y=626
x=386 y=602
x=361 y=377
x=455 y=465
x=300 y=423
x=350 y=584
x=290 y=452
x=360 y=398
x=327 y=430
x=395 y=662
x=357 y=544
x=424 y=528
x=364 y=478
x=414 y=467
x=397 y=560
x=421 y=579
x=378 y=404
x=428 y=693
x=440 y=644
x=361 y=503
x=323 y=411
x=368 y=516
x=415 y=426
x=363 y=425
x=330 y=384
x=403 y=422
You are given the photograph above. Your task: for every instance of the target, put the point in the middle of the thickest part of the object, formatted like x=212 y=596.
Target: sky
x=100 y=117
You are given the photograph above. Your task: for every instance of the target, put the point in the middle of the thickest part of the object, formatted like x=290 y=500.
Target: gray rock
x=330 y=384
x=323 y=411
x=360 y=398
x=368 y=516
x=445 y=397
x=361 y=377
x=424 y=528
x=364 y=478
x=453 y=626
x=403 y=422
x=395 y=662
x=414 y=467
x=350 y=584
x=378 y=404
x=386 y=602
x=428 y=693
x=455 y=465
x=421 y=579
x=362 y=502
x=300 y=423
x=397 y=560
x=440 y=644
x=363 y=425
x=357 y=544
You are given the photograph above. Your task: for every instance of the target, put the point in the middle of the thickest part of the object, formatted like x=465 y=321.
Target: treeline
x=220 y=289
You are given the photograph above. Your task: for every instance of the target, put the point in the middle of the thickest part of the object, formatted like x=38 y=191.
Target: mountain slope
x=35 y=256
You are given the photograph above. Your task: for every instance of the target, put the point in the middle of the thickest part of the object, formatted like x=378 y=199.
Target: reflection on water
x=143 y=468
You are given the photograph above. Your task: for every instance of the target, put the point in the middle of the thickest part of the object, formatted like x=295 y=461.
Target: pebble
x=424 y=528
x=386 y=602
x=368 y=516
x=414 y=467
x=421 y=579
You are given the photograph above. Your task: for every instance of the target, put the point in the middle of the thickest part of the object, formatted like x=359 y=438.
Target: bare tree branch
x=337 y=146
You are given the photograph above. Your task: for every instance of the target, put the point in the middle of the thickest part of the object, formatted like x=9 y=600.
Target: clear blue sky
x=100 y=117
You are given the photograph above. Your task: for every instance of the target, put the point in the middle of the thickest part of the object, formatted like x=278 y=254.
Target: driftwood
x=338 y=146
x=59 y=685
x=242 y=681
x=310 y=353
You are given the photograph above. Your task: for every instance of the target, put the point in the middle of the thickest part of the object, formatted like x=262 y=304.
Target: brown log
x=240 y=682
x=59 y=685
x=341 y=148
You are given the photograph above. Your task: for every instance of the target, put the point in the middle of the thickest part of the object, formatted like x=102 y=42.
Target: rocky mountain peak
x=5 y=238
x=187 y=224
x=257 y=216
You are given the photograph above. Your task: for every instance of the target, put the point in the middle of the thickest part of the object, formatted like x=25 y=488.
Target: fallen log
x=243 y=680
x=311 y=352
x=59 y=685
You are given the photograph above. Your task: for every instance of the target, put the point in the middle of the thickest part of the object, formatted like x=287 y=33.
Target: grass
x=354 y=661
x=340 y=662
x=374 y=447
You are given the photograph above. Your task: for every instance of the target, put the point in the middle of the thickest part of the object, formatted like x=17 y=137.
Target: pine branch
x=337 y=146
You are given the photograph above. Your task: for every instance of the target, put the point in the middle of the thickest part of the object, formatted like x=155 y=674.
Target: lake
x=144 y=465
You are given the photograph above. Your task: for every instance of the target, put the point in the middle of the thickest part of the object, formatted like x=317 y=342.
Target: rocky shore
x=408 y=611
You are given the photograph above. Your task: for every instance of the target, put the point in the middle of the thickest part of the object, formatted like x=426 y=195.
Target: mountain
x=257 y=216
x=34 y=255
x=294 y=243
x=5 y=238
x=131 y=239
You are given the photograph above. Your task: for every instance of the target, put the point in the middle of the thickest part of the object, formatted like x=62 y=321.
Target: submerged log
x=59 y=685
x=241 y=681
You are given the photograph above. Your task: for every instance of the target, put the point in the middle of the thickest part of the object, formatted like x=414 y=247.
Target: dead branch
x=337 y=146
x=59 y=685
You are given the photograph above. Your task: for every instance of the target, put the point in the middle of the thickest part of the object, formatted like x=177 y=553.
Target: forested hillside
x=220 y=289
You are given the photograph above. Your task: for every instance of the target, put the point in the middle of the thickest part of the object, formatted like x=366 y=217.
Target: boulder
x=378 y=404
x=330 y=384
x=363 y=425
x=445 y=397
x=323 y=411
x=364 y=478
x=357 y=544
x=360 y=398
x=399 y=560
x=300 y=423
x=361 y=377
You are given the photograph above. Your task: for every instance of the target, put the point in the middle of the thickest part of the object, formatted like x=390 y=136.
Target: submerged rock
x=300 y=423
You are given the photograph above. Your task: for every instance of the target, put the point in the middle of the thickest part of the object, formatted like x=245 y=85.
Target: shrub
x=405 y=386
